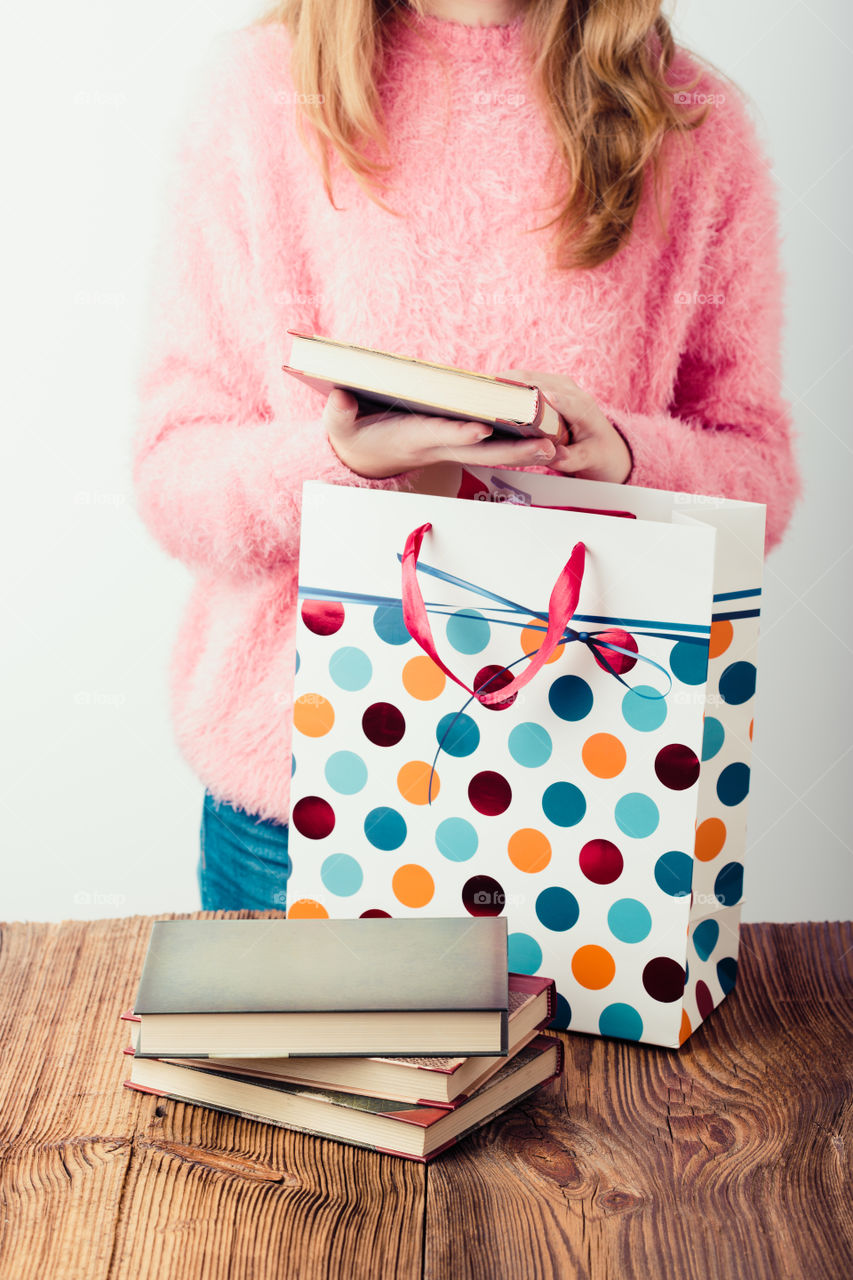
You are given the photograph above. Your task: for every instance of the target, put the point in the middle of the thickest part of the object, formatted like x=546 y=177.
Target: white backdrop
x=100 y=814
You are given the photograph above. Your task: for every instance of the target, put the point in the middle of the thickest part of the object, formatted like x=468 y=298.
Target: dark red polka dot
x=618 y=662
x=704 y=999
x=313 y=817
x=483 y=896
x=664 y=979
x=600 y=861
x=375 y=913
x=383 y=724
x=323 y=617
x=677 y=766
x=489 y=793
x=489 y=679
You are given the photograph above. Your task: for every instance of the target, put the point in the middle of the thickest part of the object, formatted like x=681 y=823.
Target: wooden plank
x=726 y=1159
x=210 y=1194
x=100 y=1181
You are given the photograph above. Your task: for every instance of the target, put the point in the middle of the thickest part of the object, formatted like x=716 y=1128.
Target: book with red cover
x=387 y=1125
x=431 y=1081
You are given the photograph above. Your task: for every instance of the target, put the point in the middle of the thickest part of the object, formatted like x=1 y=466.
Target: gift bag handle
x=561 y=608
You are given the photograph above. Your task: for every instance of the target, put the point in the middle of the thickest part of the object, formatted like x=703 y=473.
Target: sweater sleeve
x=217 y=476
x=727 y=430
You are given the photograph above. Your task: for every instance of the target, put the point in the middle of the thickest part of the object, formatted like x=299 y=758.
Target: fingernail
x=543 y=456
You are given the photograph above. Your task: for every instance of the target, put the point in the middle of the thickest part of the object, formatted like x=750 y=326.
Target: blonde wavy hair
x=598 y=69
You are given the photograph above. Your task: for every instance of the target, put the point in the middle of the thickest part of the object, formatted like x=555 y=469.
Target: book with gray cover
x=274 y=988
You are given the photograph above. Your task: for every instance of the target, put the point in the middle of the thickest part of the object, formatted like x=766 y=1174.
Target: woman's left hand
x=598 y=451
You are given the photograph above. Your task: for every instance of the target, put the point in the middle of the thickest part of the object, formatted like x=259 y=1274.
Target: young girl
x=551 y=190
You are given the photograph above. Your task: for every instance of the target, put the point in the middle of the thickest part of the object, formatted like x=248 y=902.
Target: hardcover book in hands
x=274 y=988
x=383 y=382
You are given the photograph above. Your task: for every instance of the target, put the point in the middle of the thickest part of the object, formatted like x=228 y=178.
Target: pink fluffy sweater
x=677 y=337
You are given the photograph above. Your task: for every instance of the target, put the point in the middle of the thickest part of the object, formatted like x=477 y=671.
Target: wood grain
x=730 y=1158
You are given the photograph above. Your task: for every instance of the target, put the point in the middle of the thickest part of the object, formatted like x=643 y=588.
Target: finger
x=503 y=452
x=340 y=410
x=582 y=456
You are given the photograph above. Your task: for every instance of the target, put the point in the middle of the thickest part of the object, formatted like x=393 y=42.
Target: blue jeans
x=243 y=863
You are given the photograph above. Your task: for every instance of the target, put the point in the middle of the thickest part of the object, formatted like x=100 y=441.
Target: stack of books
x=402 y=1035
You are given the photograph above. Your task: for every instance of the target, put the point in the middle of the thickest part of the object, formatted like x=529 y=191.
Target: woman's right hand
x=380 y=445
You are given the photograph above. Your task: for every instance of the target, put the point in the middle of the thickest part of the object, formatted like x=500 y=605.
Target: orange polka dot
x=307 y=909
x=721 y=637
x=604 y=755
x=751 y=723
x=593 y=967
x=529 y=850
x=686 y=1028
x=313 y=715
x=413 y=885
x=423 y=679
x=413 y=782
x=533 y=636
x=710 y=838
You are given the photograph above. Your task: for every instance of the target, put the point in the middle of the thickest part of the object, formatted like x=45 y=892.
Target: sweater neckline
x=452 y=34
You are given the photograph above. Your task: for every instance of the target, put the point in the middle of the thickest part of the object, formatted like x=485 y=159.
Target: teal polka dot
x=674 y=873
x=389 y=625
x=737 y=683
x=728 y=886
x=570 y=698
x=468 y=631
x=350 y=668
x=620 y=1020
x=643 y=709
x=456 y=839
x=457 y=734
x=385 y=828
x=713 y=736
x=341 y=874
x=524 y=954
x=557 y=908
x=733 y=784
x=689 y=661
x=637 y=815
x=564 y=804
x=705 y=937
x=629 y=921
x=530 y=745
x=346 y=772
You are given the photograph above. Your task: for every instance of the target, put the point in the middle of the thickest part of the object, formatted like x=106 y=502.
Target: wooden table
x=726 y=1159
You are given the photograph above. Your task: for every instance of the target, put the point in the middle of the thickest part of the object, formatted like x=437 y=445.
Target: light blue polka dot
x=629 y=921
x=456 y=839
x=292 y=764
x=468 y=631
x=298 y=664
x=346 y=772
x=643 y=709
x=341 y=874
x=530 y=745
x=524 y=954
x=713 y=736
x=389 y=625
x=620 y=1020
x=350 y=668
x=637 y=815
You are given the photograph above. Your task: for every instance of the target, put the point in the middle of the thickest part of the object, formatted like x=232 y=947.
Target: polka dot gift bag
x=532 y=696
